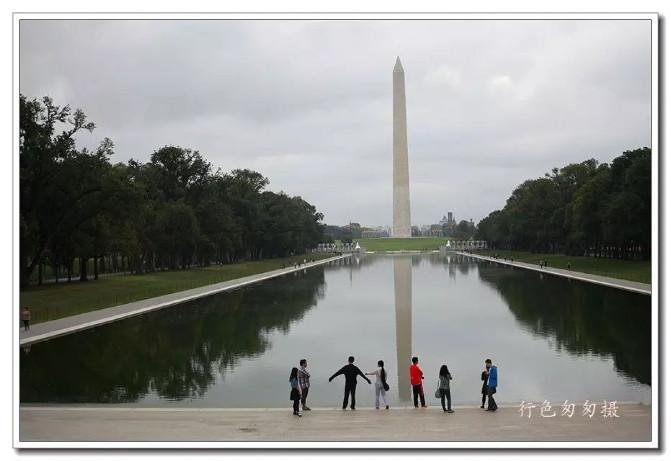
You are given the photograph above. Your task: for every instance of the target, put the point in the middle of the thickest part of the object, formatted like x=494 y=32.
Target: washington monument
x=401 y=227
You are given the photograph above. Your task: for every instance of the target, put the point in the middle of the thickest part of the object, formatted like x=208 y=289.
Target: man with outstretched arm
x=351 y=372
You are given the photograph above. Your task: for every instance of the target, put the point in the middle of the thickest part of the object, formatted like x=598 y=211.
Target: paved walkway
x=60 y=327
x=644 y=288
x=466 y=424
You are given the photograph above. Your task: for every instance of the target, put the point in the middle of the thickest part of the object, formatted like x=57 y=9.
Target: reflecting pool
x=552 y=339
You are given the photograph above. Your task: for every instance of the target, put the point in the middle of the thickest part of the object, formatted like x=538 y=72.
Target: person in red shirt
x=416 y=377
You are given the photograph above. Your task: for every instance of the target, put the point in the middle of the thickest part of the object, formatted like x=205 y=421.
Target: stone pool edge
x=73 y=324
x=628 y=285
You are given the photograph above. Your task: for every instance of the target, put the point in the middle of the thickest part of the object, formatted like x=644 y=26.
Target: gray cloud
x=308 y=103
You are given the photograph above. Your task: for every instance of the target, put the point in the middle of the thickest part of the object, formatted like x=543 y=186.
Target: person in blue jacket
x=492 y=382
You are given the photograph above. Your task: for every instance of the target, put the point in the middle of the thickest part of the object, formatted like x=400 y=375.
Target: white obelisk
x=401 y=227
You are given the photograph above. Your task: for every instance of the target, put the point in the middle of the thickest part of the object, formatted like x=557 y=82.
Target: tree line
x=587 y=208
x=175 y=211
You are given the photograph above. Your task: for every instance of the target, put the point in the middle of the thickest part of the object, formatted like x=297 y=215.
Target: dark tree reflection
x=176 y=353
x=583 y=318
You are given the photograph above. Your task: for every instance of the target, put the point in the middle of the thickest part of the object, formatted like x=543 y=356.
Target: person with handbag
x=295 y=393
x=443 y=390
x=381 y=386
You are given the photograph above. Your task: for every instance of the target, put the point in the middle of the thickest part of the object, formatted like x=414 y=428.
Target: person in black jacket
x=351 y=372
x=484 y=376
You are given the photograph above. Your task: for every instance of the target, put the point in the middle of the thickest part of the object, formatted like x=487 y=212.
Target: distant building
x=353 y=229
x=436 y=230
x=374 y=233
x=448 y=222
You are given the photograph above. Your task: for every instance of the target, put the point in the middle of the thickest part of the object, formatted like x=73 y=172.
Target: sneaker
x=424 y=406
x=482 y=406
x=353 y=408
x=377 y=408
x=387 y=407
x=450 y=411
x=307 y=409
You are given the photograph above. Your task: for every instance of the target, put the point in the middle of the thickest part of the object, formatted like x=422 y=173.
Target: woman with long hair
x=444 y=378
x=295 y=394
x=381 y=386
x=483 y=376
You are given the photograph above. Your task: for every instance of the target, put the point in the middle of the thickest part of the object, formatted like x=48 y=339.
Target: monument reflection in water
x=552 y=338
x=403 y=305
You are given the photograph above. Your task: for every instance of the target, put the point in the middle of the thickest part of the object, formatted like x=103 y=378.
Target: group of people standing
x=442 y=391
x=299 y=380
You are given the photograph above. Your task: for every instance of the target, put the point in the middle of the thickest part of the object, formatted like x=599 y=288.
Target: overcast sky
x=309 y=103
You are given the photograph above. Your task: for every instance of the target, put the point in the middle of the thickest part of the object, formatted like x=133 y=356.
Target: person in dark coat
x=483 y=377
x=350 y=371
x=295 y=394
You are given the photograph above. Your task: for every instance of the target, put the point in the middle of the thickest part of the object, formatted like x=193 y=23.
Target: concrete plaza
x=467 y=424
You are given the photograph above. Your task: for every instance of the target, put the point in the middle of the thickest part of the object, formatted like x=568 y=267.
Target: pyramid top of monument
x=398 y=67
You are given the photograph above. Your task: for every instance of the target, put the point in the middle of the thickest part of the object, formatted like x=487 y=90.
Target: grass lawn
x=393 y=244
x=637 y=271
x=52 y=301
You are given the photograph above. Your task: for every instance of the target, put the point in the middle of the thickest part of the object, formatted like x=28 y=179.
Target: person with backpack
x=350 y=371
x=492 y=382
x=295 y=393
x=443 y=391
x=381 y=386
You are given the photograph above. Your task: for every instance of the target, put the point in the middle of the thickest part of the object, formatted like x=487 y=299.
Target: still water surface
x=551 y=338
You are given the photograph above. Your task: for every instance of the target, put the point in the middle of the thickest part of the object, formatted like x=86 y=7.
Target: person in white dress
x=381 y=386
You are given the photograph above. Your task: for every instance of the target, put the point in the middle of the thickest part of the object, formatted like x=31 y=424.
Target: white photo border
x=655 y=307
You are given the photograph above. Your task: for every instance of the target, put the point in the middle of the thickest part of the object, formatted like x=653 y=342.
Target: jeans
x=417 y=390
x=491 y=403
x=445 y=395
x=379 y=391
x=350 y=388
x=296 y=406
x=304 y=395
